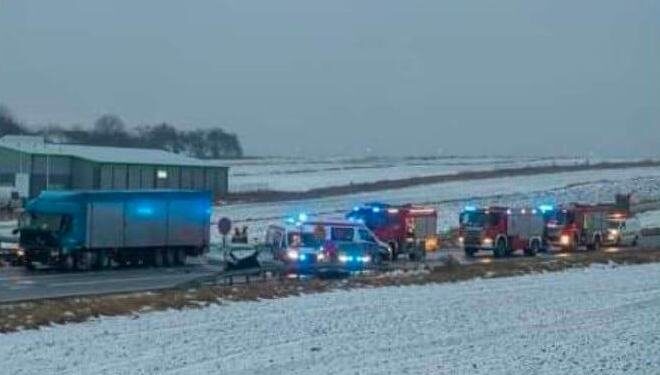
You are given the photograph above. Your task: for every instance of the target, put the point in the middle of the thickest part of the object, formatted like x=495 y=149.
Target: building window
x=161 y=174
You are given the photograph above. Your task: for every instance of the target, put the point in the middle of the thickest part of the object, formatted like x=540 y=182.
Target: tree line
x=110 y=130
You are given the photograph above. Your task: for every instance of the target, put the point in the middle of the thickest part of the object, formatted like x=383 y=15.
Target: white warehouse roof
x=101 y=154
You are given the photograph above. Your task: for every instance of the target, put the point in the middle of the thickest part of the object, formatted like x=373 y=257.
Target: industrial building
x=31 y=165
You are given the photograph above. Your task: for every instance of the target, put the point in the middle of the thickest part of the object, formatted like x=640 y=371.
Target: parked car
x=624 y=232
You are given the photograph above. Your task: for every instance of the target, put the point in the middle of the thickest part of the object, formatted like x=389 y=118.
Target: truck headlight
x=565 y=240
x=487 y=241
x=292 y=254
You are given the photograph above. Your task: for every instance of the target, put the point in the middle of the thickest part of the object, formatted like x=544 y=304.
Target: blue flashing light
x=376 y=209
x=302 y=217
x=356 y=208
x=469 y=208
x=303 y=257
x=145 y=210
x=290 y=220
x=546 y=207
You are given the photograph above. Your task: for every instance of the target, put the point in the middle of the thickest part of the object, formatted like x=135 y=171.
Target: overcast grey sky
x=348 y=76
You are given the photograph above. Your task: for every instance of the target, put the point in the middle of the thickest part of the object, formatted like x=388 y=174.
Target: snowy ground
x=449 y=198
x=290 y=174
x=600 y=320
x=650 y=219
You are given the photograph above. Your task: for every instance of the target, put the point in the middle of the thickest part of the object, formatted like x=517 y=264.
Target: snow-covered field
x=650 y=219
x=600 y=320
x=290 y=174
x=450 y=198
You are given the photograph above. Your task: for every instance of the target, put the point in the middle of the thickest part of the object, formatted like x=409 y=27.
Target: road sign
x=224 y=226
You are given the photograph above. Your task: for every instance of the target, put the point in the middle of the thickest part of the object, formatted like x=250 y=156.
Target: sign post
x=224 y=227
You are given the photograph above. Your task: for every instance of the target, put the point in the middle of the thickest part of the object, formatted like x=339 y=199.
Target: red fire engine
x=407 y=229
x=579 y=225
x=501 y=229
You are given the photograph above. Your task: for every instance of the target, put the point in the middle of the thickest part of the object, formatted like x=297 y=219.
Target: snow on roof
x=120 y=155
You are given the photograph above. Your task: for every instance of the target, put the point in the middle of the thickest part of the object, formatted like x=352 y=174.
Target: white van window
x=366 y=236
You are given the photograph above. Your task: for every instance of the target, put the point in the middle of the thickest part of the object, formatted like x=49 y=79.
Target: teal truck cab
x=91 y=229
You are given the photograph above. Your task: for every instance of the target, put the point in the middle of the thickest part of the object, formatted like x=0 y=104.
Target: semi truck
x=407 y=229
x=82 y=230
x=501 y=230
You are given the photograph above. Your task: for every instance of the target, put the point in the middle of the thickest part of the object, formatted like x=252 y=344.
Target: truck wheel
x=85 y=260
x=158 y=259
x=181 y=257
x=500 y=250
x=469 y=252
x=69 y=262
x=170 y=257
x=103 y=260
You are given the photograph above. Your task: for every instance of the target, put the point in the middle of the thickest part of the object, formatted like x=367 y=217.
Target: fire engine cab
x=407 y=229
x=501 y=230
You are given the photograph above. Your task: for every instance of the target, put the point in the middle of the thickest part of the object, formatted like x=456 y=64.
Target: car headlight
x=461 y=239
x=320 y=256
x=292 y=254
x=614 y=232
x=20 y=252
x=344 y=258
x=565 y=239
x=487 y=241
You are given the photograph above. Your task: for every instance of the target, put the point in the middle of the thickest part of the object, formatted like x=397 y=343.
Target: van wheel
x=500 y=250
x=395 y=251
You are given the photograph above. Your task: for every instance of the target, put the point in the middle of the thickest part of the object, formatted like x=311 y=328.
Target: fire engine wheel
x=469 y=252
x=533 y=249
x=501 y=249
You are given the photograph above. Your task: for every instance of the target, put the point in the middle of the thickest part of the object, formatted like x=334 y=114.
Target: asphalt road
x=19 y=284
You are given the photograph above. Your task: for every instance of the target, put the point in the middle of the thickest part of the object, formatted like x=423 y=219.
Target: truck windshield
x=565 y=218
x=303 y=239
x=479 y=219
x=45 y=222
